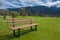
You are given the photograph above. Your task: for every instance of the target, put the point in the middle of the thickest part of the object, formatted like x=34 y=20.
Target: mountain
x=40 y=10
x=44 y=10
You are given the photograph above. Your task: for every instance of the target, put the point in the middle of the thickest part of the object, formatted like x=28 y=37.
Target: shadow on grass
x=27 y=31
x=10 y=36
x=6 y=37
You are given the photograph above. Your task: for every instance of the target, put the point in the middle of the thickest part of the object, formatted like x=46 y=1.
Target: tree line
x=25 y=12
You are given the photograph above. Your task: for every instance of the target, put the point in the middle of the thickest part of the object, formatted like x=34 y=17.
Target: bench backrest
x=18 y=21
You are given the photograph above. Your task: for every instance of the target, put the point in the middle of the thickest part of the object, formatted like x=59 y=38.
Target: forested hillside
x=37 y=11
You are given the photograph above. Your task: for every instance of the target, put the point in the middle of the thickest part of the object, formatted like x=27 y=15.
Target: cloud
x=25 y=3
x=57 y=4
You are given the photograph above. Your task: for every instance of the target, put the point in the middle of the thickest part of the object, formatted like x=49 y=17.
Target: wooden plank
x=9 y=24
x=19 y=22
x=17 y=18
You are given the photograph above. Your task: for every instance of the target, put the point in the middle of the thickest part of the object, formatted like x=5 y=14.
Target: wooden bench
x=19 y=23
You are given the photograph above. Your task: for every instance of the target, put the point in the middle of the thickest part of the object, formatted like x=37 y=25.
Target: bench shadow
x=10 y=36
x=26 y=32
x=23 y=32
x=6 y=37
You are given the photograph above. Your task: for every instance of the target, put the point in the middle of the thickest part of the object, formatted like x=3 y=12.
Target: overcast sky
x=24 y=3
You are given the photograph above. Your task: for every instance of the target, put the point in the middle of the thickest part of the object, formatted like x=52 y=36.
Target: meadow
x=48 y=29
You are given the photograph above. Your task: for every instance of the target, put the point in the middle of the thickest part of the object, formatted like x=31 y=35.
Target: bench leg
x=31 y=28
x=19 y=33
x=35 y=27
x=13 y=32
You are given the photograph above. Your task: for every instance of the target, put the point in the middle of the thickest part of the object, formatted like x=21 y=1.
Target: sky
x=25 y=3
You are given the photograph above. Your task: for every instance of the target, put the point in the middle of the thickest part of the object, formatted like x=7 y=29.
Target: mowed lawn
x=48 y=29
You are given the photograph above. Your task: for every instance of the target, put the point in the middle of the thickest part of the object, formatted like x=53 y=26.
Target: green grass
x=48 y=29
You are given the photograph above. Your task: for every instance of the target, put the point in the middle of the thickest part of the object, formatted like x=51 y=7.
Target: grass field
x=48 y=29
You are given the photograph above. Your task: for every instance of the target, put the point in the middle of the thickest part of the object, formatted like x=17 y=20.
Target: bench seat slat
x=20 y=27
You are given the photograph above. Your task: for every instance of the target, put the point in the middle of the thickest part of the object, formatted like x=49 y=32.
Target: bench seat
x=20 y=27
